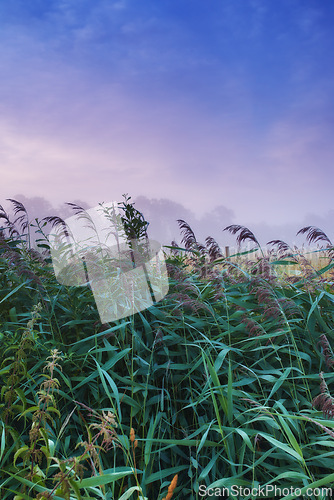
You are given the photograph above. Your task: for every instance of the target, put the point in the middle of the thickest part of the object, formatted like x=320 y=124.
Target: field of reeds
x=303 y=258
x=220 y=390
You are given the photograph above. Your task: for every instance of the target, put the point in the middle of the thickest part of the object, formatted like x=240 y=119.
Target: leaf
x=163 y=474
x=3 y=441
x=13 y=291
x=105 y=375
x=107 y=366
x=150 y=434
x=104 y=478
x=325 y=481
x=203 y=439
x=282 y=446
x=19 y=452
x=128 y=493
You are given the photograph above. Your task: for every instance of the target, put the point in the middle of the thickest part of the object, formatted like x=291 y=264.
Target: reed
x=215 y=386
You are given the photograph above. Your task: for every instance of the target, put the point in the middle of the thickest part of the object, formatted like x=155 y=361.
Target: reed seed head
x=171 y=488
x=132 y=435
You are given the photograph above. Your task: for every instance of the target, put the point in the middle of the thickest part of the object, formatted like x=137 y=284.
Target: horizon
x=155 y=211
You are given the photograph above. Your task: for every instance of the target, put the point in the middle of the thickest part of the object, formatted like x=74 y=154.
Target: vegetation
x=226 y=381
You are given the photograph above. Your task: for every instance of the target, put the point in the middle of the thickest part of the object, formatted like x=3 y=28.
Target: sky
x=219 y=112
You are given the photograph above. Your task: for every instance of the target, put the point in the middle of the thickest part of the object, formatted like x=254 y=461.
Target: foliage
x=227 y=381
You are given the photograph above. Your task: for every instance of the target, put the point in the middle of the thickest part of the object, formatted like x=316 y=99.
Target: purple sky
x=219 y=106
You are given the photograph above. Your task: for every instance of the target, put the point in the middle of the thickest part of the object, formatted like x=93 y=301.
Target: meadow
x=224 y=386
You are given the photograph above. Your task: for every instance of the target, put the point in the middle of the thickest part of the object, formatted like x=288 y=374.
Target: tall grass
x=226 y=382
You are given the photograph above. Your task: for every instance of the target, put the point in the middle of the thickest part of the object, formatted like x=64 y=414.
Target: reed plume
x=22 y=220
x=10 y=226
x=175 y=251
x=244 y=233
x=284 y=250
x=316 y=235
x=213 y=248
x=54 y=220
x=189 y=238
x=324 y=401
x=326 y=350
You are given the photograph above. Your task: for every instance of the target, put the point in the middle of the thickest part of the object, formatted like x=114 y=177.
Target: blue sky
x=221 y=107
